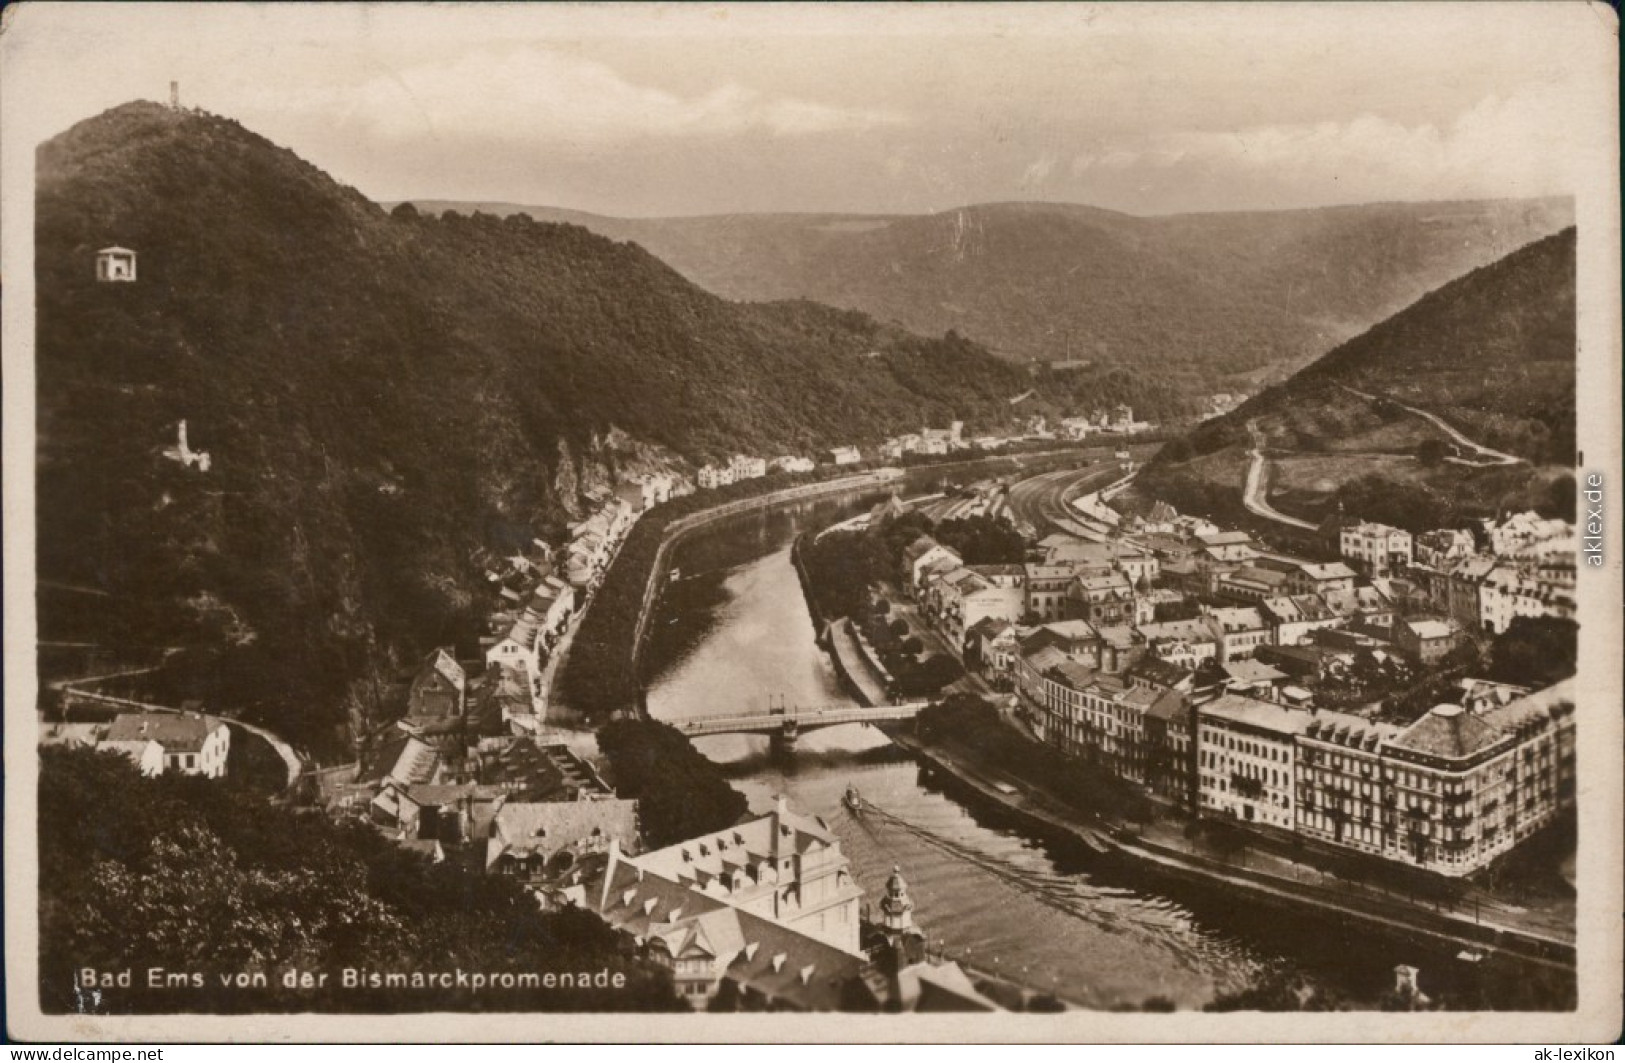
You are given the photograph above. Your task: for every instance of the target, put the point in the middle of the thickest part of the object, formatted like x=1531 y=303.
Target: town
x=1242 y=682
x=1227 y=679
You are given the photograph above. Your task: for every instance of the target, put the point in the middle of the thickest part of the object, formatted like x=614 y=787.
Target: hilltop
x=1202 y=301
x=1491 y=354
x=382 y=396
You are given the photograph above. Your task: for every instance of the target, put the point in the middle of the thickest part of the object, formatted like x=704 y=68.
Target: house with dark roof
x=401 y=757
x=192 y=744
x=438 y=687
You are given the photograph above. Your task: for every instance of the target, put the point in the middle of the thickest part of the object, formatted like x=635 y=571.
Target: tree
x=1535 y=651
x=189 y=875
x=1432 y=451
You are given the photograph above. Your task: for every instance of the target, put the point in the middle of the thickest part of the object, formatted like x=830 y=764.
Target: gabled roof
x=403 y=757
x=115 y=250
x=555 y=825
x=1430 y=629
x=1250 y=672
x=1158 y=672
x=1228 y=538
x=1238 y=619
x=177 y=732
x=1264 y=576
x=1044 y=658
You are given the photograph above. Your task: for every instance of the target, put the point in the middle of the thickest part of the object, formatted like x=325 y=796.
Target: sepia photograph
x=969 y=522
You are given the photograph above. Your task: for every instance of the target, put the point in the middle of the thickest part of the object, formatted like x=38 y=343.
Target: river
x=733 y=634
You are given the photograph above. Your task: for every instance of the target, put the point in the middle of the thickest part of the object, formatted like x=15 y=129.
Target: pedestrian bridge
x=784 y=725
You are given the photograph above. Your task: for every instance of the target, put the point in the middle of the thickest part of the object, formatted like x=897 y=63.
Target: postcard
x=817 y=522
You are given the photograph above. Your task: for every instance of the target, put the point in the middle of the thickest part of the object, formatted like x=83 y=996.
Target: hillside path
x=1485 y=454
x=1252 y=496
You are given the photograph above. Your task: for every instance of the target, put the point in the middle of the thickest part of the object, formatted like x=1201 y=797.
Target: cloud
x=1500 y=146
x=544 y=95
x=1038 y=172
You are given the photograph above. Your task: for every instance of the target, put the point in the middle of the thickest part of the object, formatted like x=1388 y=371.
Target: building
x=746 y=467
x=1443 y=546
x=1184 y=642
x=1452 y=799
x=1046 y=588
x=1292 y=617
x=1340 y=789
x=845 y=455
x=1528 y=535
x=1228 y=546
x=1308 y=577
x=792 y=463
x=438 y=688
x=1425 y=640
x=539 y=842
x=1507 y=593
x=1246 y=759
x=1252 y=584
x=1241 y=631
x=192 y=744
x=964 y=597
x=923 y=553
x=1103 y=599
x=711 y=477
x=115 y=264
x=782 y=866
x=1376 y=549
x=1170 y=747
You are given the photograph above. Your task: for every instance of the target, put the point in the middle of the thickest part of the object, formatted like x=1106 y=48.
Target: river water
x=733 y=634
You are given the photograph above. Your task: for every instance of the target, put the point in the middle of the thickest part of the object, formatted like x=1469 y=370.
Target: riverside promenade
x=1529 y=936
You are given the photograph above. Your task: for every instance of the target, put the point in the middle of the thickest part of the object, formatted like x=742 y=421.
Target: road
x=1485 y=454
x=1252 y=496
x=1041 y=500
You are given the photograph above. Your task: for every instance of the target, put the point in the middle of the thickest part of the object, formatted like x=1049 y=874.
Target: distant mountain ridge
x=1208 y=298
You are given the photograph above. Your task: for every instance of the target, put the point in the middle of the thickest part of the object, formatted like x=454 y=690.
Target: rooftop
x=1259 y=715
x=177 y=732
x=1449 y=732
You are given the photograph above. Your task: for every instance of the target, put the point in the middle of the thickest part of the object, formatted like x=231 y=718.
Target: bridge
x=785 y=725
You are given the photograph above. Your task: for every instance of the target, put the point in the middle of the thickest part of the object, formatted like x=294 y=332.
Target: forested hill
x=1200 y=299
x=1491 y=353
x=380 y=395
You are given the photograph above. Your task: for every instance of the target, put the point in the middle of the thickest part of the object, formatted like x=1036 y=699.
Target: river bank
x=1162 y=849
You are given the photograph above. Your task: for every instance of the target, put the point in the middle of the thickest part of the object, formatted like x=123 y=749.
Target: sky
x=647 y=110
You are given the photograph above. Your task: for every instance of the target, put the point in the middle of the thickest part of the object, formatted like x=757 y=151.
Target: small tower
x=115 y=264
x=174 y=95
x=897 y=922
x=896 y=907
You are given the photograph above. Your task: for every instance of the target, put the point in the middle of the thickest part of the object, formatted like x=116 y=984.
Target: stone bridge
x=785 y=725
